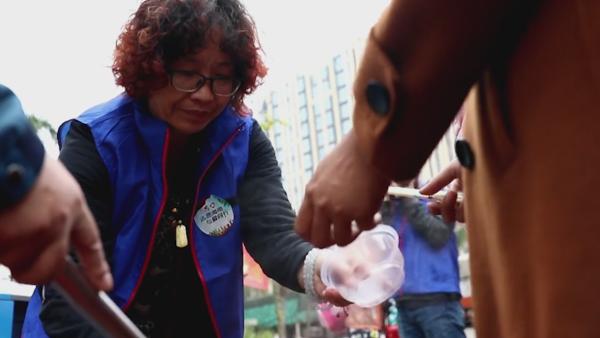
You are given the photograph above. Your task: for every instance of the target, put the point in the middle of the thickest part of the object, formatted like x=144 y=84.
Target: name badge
x=215 y=217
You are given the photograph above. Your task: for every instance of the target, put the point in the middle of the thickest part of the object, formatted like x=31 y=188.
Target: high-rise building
x=308 y=115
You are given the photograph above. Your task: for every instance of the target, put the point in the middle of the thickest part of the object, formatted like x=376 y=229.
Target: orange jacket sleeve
x=421 y=58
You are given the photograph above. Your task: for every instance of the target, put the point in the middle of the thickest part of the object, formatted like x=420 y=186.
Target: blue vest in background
x=426 y=270
x=132 y=144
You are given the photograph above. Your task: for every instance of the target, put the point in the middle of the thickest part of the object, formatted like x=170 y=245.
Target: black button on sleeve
x=464 y=154
x=378 y=97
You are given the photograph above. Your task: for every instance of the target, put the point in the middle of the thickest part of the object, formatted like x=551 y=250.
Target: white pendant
x=181 y=236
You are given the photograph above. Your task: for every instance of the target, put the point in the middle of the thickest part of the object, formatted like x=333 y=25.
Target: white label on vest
x=215 y=217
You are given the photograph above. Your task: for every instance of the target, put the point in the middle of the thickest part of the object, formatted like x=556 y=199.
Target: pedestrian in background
x=429 y=301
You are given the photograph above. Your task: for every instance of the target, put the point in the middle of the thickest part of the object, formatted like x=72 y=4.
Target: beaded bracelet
x=309 y=272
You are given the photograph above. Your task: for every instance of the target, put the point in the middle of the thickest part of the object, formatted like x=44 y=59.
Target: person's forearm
x=429 y=54
x=267 y=216
x=21 y=151
x=435 y=232
x=431 y=228
x=280 y=255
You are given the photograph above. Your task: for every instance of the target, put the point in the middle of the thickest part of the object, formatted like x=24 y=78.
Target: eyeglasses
x=189 y=82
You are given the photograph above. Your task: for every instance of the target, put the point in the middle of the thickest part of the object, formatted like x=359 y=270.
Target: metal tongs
x=410 y=192
x=95 y=306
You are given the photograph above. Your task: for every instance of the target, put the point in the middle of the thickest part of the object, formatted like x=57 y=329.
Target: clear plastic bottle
x=367 y=271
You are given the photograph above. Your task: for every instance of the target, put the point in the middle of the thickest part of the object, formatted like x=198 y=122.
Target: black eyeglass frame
x=202 y=81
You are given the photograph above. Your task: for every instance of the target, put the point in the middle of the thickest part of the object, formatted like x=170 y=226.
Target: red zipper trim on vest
x=191 y=233
x=163 y=202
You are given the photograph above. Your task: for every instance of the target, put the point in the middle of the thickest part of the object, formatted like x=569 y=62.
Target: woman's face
x=189 y=113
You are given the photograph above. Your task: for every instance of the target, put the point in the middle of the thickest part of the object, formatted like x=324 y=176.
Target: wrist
x=308 y=274
x=374 y=172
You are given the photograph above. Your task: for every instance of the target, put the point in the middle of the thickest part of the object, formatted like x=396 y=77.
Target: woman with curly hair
x=179 y=176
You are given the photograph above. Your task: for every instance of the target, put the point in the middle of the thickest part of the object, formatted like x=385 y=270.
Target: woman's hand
x=449 y=208
x=327 y=294
x=324 y=293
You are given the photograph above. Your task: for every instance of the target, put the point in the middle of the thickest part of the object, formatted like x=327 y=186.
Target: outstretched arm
x=420 y=61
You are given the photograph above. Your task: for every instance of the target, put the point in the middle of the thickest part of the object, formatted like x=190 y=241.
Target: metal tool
x=409 y=192
x=95 y=306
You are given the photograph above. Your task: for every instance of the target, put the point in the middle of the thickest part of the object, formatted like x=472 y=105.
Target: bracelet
x=309 y=272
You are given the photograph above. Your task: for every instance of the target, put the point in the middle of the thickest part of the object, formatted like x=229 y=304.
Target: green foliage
x=251 y=332
x=268 y=123
x=461 y=238
x=39 y=124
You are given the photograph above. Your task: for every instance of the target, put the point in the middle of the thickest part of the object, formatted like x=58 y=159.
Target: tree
x=256 y=333
x=268 y=123
x=279 y=293
x=40 y=124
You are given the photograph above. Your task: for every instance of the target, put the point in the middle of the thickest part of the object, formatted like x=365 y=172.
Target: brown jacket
x=533 y=129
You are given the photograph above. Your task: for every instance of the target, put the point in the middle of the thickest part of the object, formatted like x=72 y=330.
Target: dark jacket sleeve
x=81 y=158
x=431 y=228
x=21 y=151
x=267 y=217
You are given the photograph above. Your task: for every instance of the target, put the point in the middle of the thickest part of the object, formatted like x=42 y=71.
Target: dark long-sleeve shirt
x=431 y=228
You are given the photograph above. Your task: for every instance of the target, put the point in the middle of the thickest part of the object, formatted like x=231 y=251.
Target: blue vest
x=133 y=146
x=426 y=270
